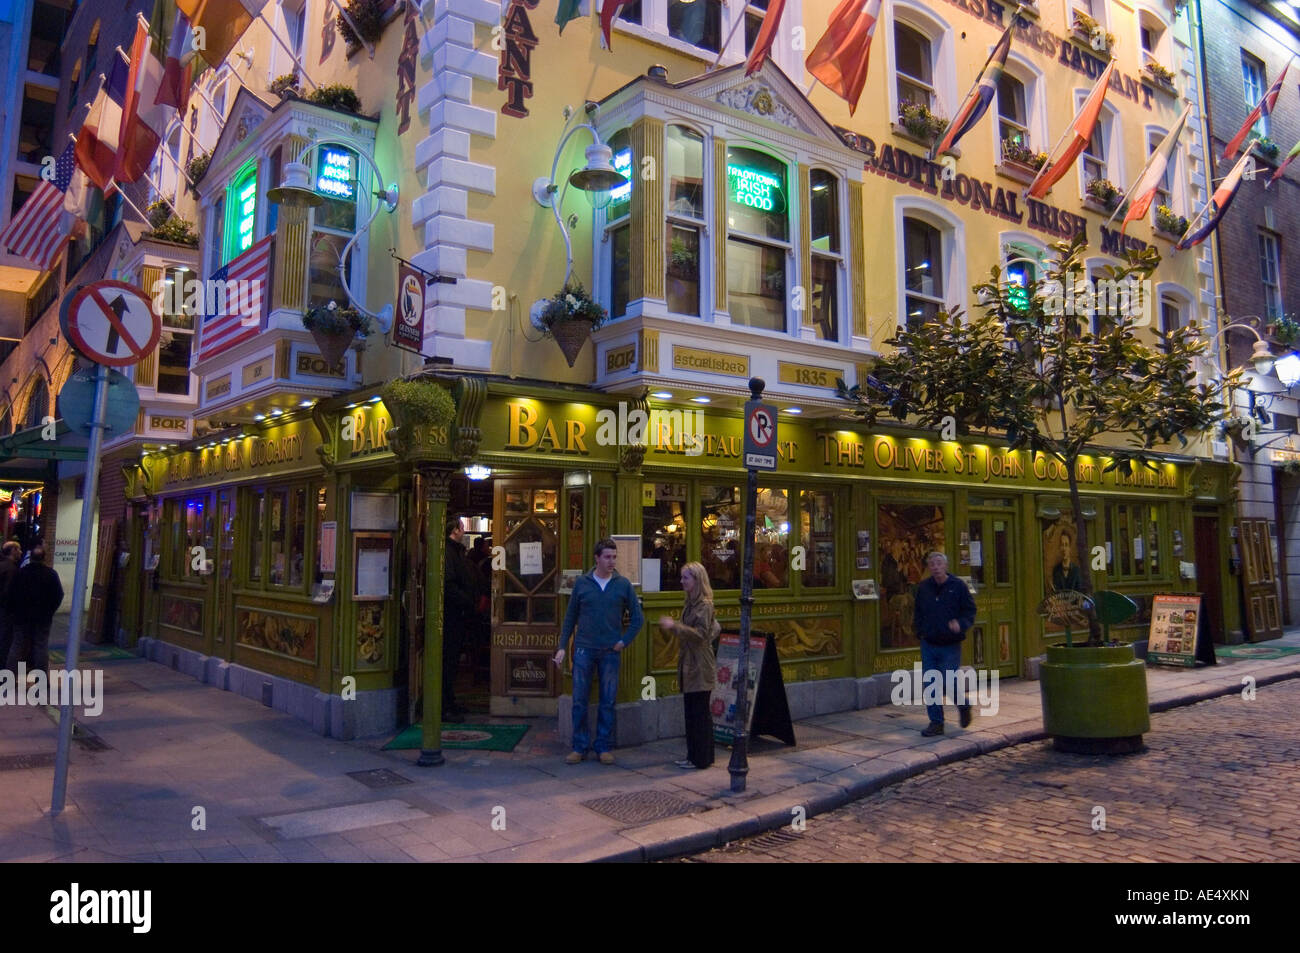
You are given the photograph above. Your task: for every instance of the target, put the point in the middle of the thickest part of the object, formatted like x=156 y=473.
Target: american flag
x=247 y=282
x=37 y=230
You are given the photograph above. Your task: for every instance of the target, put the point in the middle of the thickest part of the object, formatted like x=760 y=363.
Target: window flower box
x=1162 y=78
x=1088 y=30
x=1169 y=225
x=1103 y=195
x=1267 y=149
x=919 y=124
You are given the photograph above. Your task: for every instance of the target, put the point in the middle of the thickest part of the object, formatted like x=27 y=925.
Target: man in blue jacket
x=599 y=601
x=944 y=611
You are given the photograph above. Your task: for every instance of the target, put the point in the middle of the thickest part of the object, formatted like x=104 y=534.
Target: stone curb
x=836 y=793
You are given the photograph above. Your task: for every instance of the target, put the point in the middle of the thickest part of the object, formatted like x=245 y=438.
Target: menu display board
x=1174 y=623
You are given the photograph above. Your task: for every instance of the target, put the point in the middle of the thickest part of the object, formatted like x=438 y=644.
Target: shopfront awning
x=31 y=445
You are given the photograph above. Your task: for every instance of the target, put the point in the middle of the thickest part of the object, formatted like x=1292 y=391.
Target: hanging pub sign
x=408 y=329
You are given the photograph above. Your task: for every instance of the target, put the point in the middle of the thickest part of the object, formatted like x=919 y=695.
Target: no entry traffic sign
x=760 y=435
x=112 y=323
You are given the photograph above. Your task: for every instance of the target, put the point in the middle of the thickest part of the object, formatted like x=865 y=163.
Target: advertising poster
x=722 y=701
x=1172 y=638
x=408 y=329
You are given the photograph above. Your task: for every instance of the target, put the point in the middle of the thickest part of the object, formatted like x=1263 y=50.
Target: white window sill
x=678 y=46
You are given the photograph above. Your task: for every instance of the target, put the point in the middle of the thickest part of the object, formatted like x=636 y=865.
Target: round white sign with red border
x=762 y=428
x=113 y=323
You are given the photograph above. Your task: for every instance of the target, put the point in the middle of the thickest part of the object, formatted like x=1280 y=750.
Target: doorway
x=995 y=641
x=1205 y=529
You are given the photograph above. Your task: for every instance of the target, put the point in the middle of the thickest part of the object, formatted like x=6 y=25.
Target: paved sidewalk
x=168 y=750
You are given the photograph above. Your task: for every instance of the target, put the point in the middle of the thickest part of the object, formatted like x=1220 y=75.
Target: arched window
x=758 y=239
x=1101 y=157
x=933 y=262
x=38 y=404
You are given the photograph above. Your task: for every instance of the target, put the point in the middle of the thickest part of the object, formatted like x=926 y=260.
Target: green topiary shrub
x=336 y=96
x=419 y=401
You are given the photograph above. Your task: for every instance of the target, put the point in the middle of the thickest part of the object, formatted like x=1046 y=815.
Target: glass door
x=225 y=568
x=525 y=599
x=994 y=641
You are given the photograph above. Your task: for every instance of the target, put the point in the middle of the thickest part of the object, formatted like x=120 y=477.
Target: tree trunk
x=1084 y=557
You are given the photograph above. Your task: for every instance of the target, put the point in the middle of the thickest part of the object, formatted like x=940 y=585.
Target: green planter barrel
x=1095 y=699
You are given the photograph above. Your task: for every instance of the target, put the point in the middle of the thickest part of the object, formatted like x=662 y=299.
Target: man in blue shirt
x=596 y=609
x=944 y=611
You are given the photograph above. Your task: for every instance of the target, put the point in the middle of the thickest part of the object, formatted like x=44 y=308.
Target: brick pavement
x=174 y=744
x=1216 y=782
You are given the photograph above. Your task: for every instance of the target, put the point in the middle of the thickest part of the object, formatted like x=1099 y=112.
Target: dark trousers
x=6 y=637
x=31 y=645
x=699 y=729
x=453 y=633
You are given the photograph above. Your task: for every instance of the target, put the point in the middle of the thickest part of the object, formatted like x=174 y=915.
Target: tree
x=1032 y=369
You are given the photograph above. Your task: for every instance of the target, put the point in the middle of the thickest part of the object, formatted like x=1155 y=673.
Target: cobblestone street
x=1217 y=782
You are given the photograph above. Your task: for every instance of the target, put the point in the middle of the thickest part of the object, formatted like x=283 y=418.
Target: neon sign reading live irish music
x=334 y=176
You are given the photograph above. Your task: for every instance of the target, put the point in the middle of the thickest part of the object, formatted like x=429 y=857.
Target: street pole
x=739 y=765
x=88 y=498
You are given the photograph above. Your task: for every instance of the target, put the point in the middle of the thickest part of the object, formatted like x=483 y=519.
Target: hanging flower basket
x=570 y=317
x=334 y=329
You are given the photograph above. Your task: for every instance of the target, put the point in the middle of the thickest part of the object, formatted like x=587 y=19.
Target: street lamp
x=295 y=191
x=597 y=178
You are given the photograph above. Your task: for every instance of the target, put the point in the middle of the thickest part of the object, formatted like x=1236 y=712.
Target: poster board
x=769 y=710
x=629 y=556
x=1175 y=622
x=372 y=566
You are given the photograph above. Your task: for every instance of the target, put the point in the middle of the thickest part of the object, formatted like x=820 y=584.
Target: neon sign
x=334 y=174
x=622 y=165
x=755 y=189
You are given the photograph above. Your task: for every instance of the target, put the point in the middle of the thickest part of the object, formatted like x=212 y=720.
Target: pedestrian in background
x=10 y=553
x=944 y=610
x=33 y=596
x=696 y=665
x=599 y=602
x=458 y=598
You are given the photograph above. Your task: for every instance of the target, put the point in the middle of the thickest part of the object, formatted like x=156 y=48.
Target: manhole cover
x=379 y=778
x=19 y=762
x=639 y=807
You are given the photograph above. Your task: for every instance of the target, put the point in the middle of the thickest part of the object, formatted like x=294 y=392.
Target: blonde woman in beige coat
x=696 y=666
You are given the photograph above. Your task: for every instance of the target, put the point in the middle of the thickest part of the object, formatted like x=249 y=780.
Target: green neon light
x=755 y=188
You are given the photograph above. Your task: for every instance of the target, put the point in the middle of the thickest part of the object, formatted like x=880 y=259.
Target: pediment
x=769 y=96
x=235 y=143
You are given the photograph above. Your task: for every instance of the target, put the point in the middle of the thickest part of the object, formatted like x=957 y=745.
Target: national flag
x=1262 y=108
x=1144 y=190
x=1085 y=123
x=172 y=44
x=143 y=119
x=97 y=142
x=1290 y=157
x=766 y=37
x=609 y=10
x=567 y=10
x=1219 y=202
x=228 y=325
x=223 y=22
x=839 y=60
x=977 y=101
x=37 y=230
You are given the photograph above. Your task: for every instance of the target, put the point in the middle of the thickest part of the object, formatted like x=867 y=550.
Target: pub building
x=293 y=550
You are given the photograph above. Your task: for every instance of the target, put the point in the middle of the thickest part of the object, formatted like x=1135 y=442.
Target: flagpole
x=726 y=43
x=1146 y=165
x=118 y=188
x=285 y=46
x=1065 y=135
x=348 y=20
x=980 y=74
x=177 y=162
x=1191 y=226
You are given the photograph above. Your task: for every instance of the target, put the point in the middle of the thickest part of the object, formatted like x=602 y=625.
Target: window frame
x=1270 y=259
x=952 y=234
x=653 y=28
x=1035 y=127
x=1114 y=509
x=683 y=220
x=260 y=532
x=838 y=257
x=940 y=33
x=1110 y=127
x=1250 y=65
x=787 y=246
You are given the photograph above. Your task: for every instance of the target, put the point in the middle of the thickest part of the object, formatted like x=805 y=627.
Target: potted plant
x=416 y=402
x=1170 y=223
x=196 y=168
x=1266 y=148
x=334 y=328
x=1285 y=330
x=1013 y=150
x=1104 y=193
x=169 y=227
x=1031 y=375
x=370 y=17
x=920 y=122
x=1092 y=33
x=570 y=316
x=1163 y=77
x=338 y=96
x=286 y=86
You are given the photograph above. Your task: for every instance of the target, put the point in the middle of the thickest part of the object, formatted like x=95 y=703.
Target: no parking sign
x=760 y=435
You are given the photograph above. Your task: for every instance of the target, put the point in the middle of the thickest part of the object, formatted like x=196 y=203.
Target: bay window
x=618 y=226
x=684 y=157
x=827 y=254
x=177 y=340
x=757 y=239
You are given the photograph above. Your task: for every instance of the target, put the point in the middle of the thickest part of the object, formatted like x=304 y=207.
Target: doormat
x=90 y=653
x=477 y=737
x=1254 y=651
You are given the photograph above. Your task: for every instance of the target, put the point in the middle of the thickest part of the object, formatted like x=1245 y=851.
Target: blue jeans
x=939 y=658
x=605 y=662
